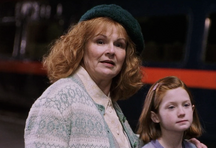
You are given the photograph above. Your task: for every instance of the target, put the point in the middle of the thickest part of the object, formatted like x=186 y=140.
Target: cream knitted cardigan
x=65 y=116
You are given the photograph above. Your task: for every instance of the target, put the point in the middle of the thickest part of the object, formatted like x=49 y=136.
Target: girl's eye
x=186 y=104
x=171 y=107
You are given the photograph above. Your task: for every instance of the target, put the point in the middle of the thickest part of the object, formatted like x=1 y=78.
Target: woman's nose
x=110 y=50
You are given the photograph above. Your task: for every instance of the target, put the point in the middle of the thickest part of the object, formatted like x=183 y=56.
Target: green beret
x=121 y=16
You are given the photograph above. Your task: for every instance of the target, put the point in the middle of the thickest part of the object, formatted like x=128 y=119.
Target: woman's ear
x=154 y=117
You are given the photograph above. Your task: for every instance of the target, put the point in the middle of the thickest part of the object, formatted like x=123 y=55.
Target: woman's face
x=105 y=54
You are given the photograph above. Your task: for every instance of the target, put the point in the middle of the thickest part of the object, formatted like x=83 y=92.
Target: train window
x=165 y=37
x=7 y=34
x=210 y=51
x=7 y=29
x=40 y=34
x=7 y=8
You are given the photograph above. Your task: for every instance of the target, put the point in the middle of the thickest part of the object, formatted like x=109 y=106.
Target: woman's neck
x=102 y=82
x=171 y=140
x=104 y=86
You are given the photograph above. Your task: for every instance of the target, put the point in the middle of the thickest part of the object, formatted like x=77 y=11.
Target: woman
x=91 y=67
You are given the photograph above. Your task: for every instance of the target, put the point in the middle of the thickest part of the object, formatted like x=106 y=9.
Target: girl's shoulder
x=156 y=144
x=153 y=144
x=188 y=144
x=148 y=145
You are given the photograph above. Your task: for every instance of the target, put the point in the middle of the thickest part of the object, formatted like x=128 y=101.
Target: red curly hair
x=67 y=52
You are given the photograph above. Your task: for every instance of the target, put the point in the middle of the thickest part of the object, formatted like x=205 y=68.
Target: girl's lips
x=181 y=121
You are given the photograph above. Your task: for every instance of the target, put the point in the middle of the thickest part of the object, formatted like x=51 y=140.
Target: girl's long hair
x=147 y=129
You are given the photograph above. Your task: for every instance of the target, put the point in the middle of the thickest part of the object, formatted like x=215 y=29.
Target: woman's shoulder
x=60 y=86
x=61 y=94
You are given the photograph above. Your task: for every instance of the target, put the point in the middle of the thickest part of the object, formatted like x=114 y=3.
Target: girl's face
x=105 y=54
x=175 y=111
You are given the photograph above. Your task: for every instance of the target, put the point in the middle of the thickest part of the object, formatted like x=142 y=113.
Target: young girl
x=169 y=116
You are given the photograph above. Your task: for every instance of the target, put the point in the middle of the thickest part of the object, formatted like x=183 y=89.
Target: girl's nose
x=181 y=111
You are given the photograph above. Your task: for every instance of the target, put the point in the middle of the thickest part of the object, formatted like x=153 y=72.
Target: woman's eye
x=100 y=42
x=121 y=45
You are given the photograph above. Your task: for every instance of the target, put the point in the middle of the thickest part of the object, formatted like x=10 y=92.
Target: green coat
x=65 y=116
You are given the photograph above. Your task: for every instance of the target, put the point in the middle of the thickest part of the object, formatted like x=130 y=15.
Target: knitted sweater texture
x=65 y=116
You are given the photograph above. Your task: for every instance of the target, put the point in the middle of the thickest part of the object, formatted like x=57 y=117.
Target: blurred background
x=180 y=38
